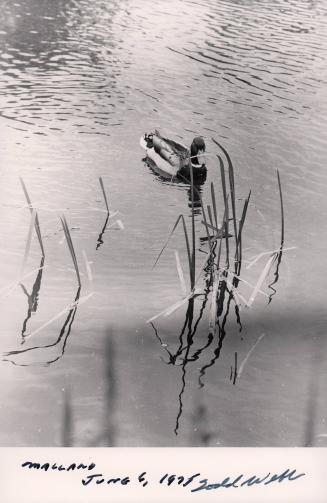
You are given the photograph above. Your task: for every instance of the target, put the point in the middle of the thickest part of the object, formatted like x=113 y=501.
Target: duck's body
x=173 y=158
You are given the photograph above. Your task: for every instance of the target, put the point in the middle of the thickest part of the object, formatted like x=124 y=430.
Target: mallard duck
x=173 y=158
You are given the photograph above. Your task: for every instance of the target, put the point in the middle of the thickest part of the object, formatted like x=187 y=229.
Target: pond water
x=80 y=83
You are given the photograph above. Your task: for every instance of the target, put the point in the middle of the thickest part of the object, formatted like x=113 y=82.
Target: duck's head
x=198 y=148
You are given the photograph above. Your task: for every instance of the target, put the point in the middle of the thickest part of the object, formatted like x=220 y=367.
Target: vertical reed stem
x=192 y=272
x=282 y=211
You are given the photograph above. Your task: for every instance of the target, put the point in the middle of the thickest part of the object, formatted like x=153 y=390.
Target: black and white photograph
x=163 y=223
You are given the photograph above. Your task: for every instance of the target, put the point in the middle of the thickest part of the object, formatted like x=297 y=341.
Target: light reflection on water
x=80 y=82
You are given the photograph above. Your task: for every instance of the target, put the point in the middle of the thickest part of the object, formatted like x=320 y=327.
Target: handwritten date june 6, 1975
x=193 y=483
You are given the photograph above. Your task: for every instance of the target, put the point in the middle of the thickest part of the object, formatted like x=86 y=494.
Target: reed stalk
x=214 y=206
x=37 y=224
x=221 y=240
x=226 y=224
x=192 y=271
x=205 y=222
x=104 y=194
x=238 y=255
x=231 y=184
x=71 y=247
x=281 y=210
x=210 y=215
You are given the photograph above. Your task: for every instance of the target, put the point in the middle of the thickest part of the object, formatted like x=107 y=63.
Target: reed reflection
x=48 y=353
x=100 y=240
x=33 y=298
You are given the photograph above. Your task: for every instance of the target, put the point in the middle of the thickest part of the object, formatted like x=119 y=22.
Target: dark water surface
x=80 y=82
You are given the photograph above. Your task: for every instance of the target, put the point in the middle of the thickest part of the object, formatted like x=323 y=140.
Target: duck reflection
x=181 y=181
